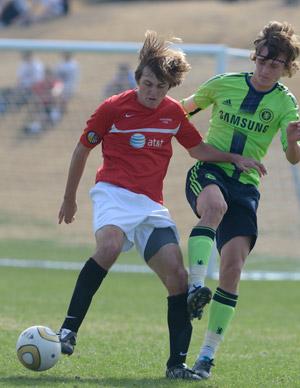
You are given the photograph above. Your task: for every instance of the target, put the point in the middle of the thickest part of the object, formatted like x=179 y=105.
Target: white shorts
x=135 y=214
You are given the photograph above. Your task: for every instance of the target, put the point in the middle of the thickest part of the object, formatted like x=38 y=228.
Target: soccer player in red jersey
x=135 y=129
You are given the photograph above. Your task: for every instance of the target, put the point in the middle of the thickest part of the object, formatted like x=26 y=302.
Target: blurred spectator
x=30 y=70
x=66 y=6
x=44 y=104
x=14 y=12
x=123 y=80
x=50 y=9
x=67 y=70
x=291 y=2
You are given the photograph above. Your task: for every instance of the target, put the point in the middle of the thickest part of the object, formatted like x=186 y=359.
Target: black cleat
x=67 y=340
x=181 y=372
x=202 y=367
x=197 y=299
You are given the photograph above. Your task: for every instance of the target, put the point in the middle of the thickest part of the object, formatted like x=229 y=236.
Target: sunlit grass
x=124 y=342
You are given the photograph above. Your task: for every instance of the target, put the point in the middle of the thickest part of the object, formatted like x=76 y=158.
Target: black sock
x=87 y=284
x=180 y=329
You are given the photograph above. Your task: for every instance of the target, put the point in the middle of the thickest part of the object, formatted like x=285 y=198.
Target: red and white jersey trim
x=171 y=131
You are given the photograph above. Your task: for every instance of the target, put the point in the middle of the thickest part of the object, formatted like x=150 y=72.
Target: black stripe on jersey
x=237 y=147
x=251 y=101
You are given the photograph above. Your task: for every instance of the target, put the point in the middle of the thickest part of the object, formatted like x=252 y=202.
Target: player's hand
x=246 y=164
x=293 y=132
x=67 y=211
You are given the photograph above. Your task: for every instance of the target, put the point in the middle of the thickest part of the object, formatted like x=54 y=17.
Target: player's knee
x=231 y=272
x=111 y=247
x=214 y=210
x=109 y=243
x=177 y=280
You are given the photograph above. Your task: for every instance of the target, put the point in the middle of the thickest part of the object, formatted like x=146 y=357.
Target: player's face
x=267 y=71
x=151 y=91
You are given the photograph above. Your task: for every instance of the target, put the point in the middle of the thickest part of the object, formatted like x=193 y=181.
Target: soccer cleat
x=202 y=367
x=197 y=299
x=67 y=340
x=181 y=371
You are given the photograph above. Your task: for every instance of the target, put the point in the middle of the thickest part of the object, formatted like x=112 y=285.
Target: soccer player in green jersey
x=248 y=110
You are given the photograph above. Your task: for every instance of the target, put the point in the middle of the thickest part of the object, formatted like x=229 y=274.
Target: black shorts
x=242 y=201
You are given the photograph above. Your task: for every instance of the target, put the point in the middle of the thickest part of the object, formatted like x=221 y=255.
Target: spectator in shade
x=50 y=9
x=14 y=12
x=67 y=70
x=123 y=80
x=44 y=106
x=30 y=71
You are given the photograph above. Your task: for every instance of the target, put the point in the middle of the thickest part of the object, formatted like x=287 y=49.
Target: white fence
x=219 y=51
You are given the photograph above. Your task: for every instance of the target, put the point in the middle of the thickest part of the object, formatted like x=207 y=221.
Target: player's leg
x=109 y=241
x=222 y=308
x=236 y=236
x=207 y=201
x=164 y=257
x=115 y=216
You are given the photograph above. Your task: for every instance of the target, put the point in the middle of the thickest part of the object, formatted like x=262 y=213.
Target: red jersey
x=136 y=141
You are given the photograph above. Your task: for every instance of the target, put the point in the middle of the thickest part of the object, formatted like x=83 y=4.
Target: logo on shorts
x=210 y=176
x=92 y=137
x=137 y=140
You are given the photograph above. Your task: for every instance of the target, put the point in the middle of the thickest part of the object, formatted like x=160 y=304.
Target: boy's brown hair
x=279 y=38
x=168 y=65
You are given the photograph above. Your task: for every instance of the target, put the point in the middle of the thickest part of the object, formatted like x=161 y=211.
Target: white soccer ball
x=38 y=348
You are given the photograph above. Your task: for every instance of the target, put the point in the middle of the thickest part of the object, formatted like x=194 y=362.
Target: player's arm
x=207 y=153
x=293 y=137
x=189 y=105
x=77 y=165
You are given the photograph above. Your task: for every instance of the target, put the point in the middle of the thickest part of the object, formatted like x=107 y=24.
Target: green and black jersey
x=243 y=120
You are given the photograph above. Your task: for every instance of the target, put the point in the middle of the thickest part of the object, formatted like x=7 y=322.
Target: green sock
x=200 y=245
x=221 y=312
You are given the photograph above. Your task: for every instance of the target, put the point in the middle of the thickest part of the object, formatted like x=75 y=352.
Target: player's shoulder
x=228 y=76
x=125 y=96
x=114 y=104
x=286 y=93
x=225 y=78
x=172 y=105
x=171 y=101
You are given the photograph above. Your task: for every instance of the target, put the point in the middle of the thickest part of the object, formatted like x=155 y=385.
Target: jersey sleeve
x=205 y=94
x=291 y=114
x=188 y=136
x=98 y=125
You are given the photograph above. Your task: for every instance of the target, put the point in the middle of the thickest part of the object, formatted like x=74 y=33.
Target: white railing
x=219 y=51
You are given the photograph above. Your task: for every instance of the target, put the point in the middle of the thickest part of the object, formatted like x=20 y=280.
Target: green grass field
x=53 y=250
x=123 y=342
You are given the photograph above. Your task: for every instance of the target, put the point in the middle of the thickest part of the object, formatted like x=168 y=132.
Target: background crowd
x=26 y=12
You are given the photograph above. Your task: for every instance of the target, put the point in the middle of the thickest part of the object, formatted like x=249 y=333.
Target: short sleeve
x=98 y=125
